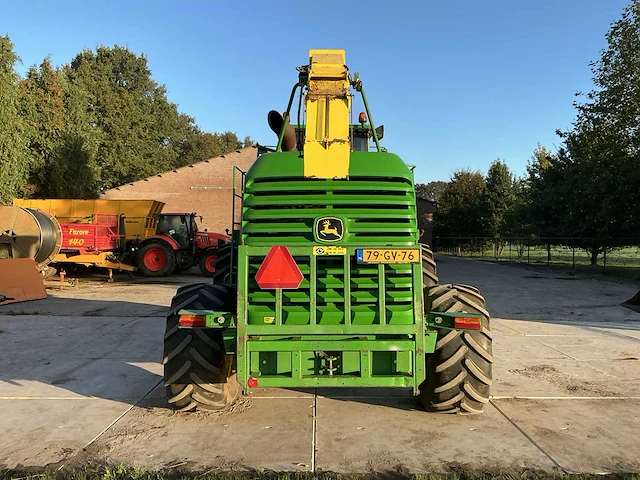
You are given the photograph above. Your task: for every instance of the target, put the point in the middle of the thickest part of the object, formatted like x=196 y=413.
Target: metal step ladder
x=236 y=225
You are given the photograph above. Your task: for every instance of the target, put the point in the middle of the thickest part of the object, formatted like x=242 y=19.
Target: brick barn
x=204 y=187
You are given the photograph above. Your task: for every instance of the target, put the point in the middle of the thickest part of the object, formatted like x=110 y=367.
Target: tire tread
x=459 y=372
x=198 y=373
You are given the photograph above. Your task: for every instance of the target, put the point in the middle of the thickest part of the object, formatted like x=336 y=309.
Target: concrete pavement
x=566 y=391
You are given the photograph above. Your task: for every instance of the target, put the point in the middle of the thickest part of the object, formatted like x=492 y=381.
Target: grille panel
x=376 y=211
x=373 y=294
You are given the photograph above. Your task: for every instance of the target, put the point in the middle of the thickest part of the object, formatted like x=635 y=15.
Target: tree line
x=100 y=121
x=585 y=194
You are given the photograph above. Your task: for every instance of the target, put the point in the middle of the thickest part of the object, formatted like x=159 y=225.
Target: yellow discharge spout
x=326 y=147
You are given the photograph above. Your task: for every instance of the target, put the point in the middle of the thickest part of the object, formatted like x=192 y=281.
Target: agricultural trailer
x=112 y=234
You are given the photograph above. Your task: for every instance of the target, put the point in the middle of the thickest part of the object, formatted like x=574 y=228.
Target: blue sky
x=456 y=83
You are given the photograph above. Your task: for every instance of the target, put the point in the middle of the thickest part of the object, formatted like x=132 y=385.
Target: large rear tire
x=459 y=372
x=223 y=264
x=156 y=259
x=198 y=374
x=429 y=275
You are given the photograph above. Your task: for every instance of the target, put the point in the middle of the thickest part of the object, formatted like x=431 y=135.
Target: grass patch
x=135 y=473
x=614 y=269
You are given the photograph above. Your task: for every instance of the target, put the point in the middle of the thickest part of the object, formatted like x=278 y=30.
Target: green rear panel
x=348 y=324
x=377 y=202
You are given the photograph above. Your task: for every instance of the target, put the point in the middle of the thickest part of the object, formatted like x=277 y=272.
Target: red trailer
x=90 y=238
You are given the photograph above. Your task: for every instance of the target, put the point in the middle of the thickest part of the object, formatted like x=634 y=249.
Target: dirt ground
x=80 y=380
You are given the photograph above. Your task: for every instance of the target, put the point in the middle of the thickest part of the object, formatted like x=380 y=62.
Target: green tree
x=43 y=109
x=142 y=131
x=14 y=138
x=75 y=170
x=462 y=208
x=63 y=137
x=545 y=195
x=603 y=148
x=199 y=146
x=430 y=191
x=517 y=220
x=500 y=196
x=138 y=131
x=248 y=142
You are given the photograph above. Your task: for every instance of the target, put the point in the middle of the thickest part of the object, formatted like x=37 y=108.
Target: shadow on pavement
x=69 y=307
x=524 y=292
x=398 y=398
x=83 y=350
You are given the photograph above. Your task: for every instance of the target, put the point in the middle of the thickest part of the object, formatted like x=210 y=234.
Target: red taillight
x=189 y=320
x=252 y=382
x=279 y=270
x=468 y=323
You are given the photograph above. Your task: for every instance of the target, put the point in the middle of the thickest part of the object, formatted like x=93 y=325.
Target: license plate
x=388 y=255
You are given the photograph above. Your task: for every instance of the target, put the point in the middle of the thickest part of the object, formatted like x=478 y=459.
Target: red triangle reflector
x=279 y=270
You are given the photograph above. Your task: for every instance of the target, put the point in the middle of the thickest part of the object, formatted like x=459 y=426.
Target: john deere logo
x=329 y=229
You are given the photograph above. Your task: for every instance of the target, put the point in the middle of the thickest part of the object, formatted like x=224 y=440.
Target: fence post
x=548 y=254
x=509 y=250
x=528 y=251
x=574 y=257
x=605 y=261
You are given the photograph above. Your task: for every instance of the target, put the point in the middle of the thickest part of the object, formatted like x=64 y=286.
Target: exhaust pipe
x=275 y=123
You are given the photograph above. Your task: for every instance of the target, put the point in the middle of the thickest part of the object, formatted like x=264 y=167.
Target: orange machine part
x=20 y=280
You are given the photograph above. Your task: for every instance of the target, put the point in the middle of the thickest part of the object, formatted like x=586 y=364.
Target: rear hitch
x=327 y=365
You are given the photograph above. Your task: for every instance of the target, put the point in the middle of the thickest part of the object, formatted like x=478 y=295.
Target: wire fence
x=615 y=256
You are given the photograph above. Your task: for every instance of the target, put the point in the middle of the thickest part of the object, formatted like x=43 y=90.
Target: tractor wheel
x=155 y=259
x=429 y=276
x=459 y=373
x=223 y=263
x=198 y=374
x=48 y=272
x=207 y=262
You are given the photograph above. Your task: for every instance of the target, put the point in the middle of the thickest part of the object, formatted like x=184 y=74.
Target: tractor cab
x=183 y=228
x=179 y=226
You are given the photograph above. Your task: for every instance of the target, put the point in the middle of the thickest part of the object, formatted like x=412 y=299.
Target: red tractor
x=179 y=245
